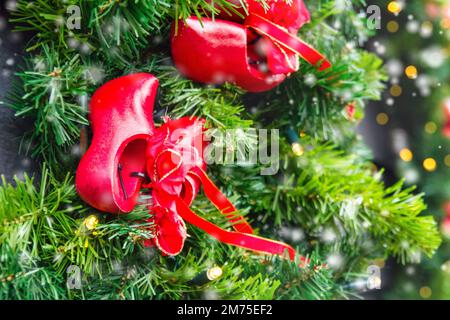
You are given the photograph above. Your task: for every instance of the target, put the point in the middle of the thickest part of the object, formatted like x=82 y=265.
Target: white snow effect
x=328 y=235
x=335 y=260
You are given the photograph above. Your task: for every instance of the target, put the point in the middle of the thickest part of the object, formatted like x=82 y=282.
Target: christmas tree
x=325 y=198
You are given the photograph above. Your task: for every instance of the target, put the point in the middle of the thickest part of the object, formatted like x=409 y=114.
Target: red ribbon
x=171 y=174
x=287 y=40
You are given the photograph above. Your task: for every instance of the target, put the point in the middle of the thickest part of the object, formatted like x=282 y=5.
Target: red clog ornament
x=121 y=116
x=256 y=53
x=128 y=154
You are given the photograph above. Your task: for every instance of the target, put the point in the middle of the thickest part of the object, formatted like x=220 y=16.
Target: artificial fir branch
x=333 y=190
x=220 y=106
x=46 y=222
x=53 y=91
x=51 y=236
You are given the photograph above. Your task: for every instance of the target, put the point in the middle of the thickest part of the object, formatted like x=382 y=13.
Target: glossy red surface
x=122 y=121
x=215 y=52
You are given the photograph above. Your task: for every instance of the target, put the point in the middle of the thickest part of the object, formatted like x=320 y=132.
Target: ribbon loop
x=221 y=202
x=238 y=239
x=175 y=182
x=287 y=40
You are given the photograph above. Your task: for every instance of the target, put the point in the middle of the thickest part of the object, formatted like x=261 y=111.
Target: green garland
x=44 y=230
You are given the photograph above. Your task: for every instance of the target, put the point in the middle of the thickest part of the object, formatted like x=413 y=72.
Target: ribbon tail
x=222 y=203
x=289 y=41
x=238 y=239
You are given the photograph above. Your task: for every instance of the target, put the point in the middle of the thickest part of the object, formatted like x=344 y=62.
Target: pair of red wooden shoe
x=256 y=52
x=128 y=154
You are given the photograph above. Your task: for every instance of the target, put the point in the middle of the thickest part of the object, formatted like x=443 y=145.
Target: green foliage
x=52 y=90
x=222 y=107
x=326 y=190
x=43 y=232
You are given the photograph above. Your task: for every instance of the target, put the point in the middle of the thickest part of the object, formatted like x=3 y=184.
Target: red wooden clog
x=122 y=121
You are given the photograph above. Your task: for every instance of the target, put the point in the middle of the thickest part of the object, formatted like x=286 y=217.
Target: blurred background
x=408 y=130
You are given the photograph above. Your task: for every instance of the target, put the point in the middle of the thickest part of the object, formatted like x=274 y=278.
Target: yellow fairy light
x=411 y=72
x=297 y=149
x=91 y=222
x=426 y=28
x=406 y=155
x=429 y=164
x=382 y=118
x=425 y=292
x=430 y=127
x=392 y=26
x=374 y=282
x=394 y=7
x=447 y=160
x=396 y=90
x=446 y=266
x=445 y=23
x=214 y=273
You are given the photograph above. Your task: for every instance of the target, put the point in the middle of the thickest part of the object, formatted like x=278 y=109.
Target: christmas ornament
x=209 y=275
x=128 y=154
x=255 y=53
x=122 y=122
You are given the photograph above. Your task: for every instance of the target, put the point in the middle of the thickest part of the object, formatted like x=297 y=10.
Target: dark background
x=11 y=128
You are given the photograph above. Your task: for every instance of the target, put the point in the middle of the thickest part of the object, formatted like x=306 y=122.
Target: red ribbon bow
x=127 y=154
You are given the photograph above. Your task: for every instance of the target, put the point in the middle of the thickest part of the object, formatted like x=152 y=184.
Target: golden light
x=406 y=155
x=429 y=164
x=297 y=149
x=445 y=23
x=91 y=222
x=382 y=118
x=396 y=90
x=447 y=160
x=425 y=292
x=392 y=26
x=394 y=7
x=446 y=266
x=426 y=28
x=430 y=127
x=411 y=72
x=214 y=273
x=374 y=282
